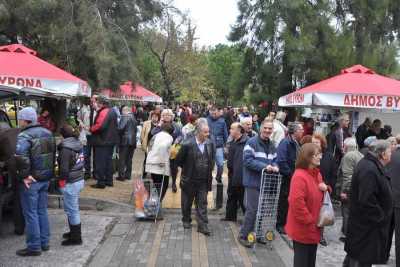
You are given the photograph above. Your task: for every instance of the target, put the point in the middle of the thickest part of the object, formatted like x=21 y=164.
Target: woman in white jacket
x=157 y=162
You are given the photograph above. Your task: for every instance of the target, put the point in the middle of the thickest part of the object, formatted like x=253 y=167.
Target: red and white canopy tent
x=356 y=87
x=21 y=71
x=133 y=92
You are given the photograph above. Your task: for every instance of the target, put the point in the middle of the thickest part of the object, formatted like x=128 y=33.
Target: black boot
x=75 y=237
x=68 y=234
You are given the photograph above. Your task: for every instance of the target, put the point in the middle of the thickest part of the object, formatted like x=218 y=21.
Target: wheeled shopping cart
x=267 y=208
x=152 y=203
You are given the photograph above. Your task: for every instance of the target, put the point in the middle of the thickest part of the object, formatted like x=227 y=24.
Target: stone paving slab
x=94 y=228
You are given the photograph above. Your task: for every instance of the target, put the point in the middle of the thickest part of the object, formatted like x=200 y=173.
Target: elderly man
x=235 y=190
x=35 y=155
x=371 y=209
x=341 y=134
x=196 y=158
x=219 y=135
x=393 y=171
x=287 y=154
x=247 y=125
x=346 y=169
x=280 y=129
x=259 y=153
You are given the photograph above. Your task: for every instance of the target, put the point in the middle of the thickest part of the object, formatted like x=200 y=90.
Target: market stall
x=357 y=89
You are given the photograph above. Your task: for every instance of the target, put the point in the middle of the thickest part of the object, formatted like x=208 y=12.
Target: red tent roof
x=356 y=80
x=20 y=67
x=138 y=91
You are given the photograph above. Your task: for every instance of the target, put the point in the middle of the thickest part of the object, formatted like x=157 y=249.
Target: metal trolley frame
x=265 y=225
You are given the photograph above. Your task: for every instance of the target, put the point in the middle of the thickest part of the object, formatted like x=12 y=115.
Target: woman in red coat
x=305 y=201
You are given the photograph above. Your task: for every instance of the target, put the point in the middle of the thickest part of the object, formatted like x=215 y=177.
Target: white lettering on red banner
x=371 y=101
x=295 y=98
x=22 y=82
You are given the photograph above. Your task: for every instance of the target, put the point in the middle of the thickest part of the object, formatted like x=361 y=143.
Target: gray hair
x=343 y=116
x=378 y=147
x=350 y=144
x=392 y=139
x=294 y=126
x=246 y=120
x=281 y=116
x=168 y=111
x=200 y=124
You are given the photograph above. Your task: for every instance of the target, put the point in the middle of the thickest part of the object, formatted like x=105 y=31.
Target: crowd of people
x=358 y=171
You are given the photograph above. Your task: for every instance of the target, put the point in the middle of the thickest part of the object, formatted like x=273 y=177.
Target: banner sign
x=341 y=100
x=61 y=87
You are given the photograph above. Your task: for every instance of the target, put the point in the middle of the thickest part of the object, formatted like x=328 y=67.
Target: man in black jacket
x=104 y=138
x=393 y=170
x=235 y=172
x=196 y=158
x=127 y=131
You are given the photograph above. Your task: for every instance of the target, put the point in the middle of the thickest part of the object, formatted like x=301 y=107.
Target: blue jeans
x=251 y=196
x=219 y=161
x=71 y=193
x=34 y=208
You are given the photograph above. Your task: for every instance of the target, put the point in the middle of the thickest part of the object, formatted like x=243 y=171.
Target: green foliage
x=293 y=43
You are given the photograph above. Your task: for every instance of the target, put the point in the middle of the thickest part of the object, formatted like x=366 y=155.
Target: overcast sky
x=212 y=17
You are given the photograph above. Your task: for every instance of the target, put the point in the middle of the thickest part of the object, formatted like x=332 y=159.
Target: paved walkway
x=166 y=243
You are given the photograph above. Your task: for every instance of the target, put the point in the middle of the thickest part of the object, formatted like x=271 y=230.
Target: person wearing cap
x=35 y=157
x=71 y=163
x=104 y=137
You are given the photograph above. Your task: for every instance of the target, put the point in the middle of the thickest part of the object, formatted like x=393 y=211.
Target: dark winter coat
x=235 y=161
x=35 y=153
x=218 y=131
x=186 y=159
x=70 y=160
x=393 y=171
x=370 y=212
x=105 y=128
x=287 y=153
x=127 y=128
x=361 y=135
x=328 y=169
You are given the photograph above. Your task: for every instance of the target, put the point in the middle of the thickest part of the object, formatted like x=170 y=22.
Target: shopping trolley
x=152 y=206
x=264 y=228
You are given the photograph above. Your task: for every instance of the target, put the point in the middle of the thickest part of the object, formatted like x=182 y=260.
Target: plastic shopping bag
x=141 y=195
x=152 y=203
x=326 y=214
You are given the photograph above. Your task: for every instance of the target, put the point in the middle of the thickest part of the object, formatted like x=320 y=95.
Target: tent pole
x=16 y=112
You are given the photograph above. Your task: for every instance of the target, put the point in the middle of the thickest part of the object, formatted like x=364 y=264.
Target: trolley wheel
x=252 y=238
x=269 y=235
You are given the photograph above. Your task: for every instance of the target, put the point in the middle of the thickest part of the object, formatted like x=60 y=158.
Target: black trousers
x=305 y=255
x=103 y=164
x=158 y=180
x=345 y=215
x=125 y=161
x=174 y=170
x=18 y=217
x=283 y=204
x=397 y=234
x=234 y=202
x=198 y=194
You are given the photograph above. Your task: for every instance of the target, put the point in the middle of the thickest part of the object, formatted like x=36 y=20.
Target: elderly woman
x=345 y=174
x=371 y=208
x=157 y=163
x=305 y=200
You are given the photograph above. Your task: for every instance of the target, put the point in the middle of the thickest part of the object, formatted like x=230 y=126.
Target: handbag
x=326 y=213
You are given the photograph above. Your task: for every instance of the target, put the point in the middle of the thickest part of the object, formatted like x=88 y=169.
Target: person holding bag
x=305 y=201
